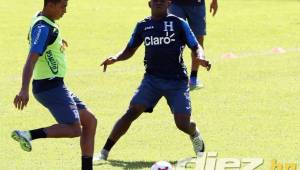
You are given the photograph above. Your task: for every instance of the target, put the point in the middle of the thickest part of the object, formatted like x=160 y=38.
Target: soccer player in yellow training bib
x=47 y=63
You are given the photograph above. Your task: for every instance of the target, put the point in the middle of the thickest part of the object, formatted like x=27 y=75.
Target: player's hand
x=204 y=63
x=65 y=43
x=21 y=99
x=107 y=62
x=213 y=7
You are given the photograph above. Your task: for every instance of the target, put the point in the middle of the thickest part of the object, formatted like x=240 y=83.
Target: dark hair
x=52 y=1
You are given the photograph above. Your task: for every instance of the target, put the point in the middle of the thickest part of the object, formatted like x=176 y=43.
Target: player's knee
x=89 y=120
x=76 y=131
x=193 y=125
x=182 y=126
x=133 y=113
x=93 y=121
x=129 y=116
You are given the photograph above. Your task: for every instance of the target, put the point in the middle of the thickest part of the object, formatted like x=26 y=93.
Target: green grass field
x=250 y=106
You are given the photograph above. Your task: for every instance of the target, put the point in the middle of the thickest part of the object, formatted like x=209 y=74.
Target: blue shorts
x=194 y=14
x=63 y=104
x=153 y=88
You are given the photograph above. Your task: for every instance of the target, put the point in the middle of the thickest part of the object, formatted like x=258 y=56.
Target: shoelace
x=197 y=143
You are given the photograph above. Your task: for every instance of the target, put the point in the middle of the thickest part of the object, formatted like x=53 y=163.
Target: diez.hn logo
x=210 y=161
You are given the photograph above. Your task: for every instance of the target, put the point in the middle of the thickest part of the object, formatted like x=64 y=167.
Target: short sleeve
x=136 y=38
x=189 y=36
x=39 y=38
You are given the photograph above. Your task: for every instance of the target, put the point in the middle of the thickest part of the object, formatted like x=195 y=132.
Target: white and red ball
x=162 y=165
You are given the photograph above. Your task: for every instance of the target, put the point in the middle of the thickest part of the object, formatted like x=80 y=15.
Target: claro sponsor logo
x=163 y=40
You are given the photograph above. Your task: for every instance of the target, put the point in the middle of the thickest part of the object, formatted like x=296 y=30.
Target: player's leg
x=177 y=10
x=119 y=129
x=196 y=18
x=54 y=131
x=89 y=125
x=186 y=125
x=123 y=124
x=183 y=122
x=62 y=131
x=144 y=100
x=178 y=99
x=63 y=108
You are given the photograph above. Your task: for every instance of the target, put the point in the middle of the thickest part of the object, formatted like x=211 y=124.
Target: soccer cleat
x=198 y=143
x=24 y=138
x=100 y=157
x=195 y=83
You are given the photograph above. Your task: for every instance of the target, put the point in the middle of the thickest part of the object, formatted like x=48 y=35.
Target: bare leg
x=184 y=123
x=125 y=121
x=87 y=139
x=64 y=130
x=119 y=129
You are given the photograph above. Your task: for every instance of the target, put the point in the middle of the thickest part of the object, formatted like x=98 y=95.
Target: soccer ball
x=162 y=165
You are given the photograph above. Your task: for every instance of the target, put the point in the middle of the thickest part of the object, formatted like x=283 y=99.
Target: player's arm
x=39 y=38
x=200 y=57
x=134 y=43
x=22 y=98
x=65 y=43
x=213 y=7
x=123 y=55
x=196 y=48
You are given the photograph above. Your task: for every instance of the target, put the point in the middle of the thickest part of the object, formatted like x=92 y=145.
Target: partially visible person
x=195 y=13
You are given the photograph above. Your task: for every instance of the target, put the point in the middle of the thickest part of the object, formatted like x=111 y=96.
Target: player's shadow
x=133 y=164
